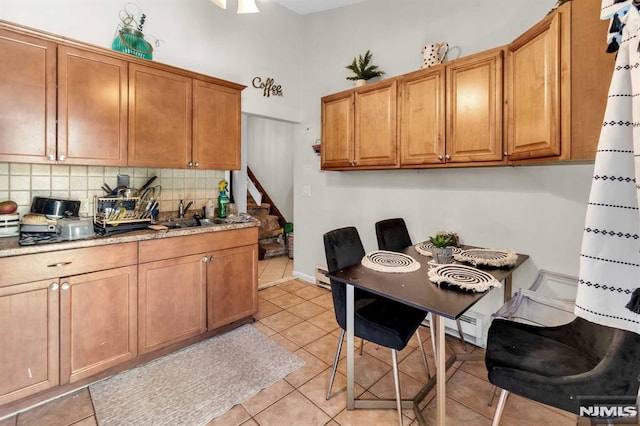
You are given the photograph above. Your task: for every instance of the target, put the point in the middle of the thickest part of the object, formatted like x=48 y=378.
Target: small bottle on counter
x=209 y=210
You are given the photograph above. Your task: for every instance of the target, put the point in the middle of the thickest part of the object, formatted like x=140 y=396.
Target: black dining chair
x=560 y=366
x=376 y=319
x=393 y=235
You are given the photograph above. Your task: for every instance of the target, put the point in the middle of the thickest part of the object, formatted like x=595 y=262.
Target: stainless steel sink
x=190 y=222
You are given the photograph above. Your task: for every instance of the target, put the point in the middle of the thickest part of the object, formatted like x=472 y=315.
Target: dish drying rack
x=118 y=214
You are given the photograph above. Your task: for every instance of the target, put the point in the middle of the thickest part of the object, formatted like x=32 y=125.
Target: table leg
x=350 y=349
x=507 y=288
x=441 y=370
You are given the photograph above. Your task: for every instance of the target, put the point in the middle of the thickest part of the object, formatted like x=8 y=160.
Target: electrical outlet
x=306 y=191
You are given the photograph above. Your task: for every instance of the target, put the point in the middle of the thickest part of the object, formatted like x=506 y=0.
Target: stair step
x=276 y=239
x=269 y=233
x=273 y=250
x=263 y=209
x=268 y=221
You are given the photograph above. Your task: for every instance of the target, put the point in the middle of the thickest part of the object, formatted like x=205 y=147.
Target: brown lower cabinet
x=68 y=315
x=59 y=329
x=191 y=284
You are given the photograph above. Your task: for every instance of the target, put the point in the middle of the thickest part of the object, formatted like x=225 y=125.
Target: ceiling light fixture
x=244 y=6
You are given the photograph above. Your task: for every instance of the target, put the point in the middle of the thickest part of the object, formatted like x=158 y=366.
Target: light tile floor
x=300 y=317
x=274 y=271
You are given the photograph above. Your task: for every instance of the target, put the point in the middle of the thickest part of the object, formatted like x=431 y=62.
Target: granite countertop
x=9 y=246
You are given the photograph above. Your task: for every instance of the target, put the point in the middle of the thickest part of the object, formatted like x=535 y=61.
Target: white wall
x=537 y=210
x=270 y=157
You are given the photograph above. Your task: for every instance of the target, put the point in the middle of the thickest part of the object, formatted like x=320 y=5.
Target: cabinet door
x=232 y=285
x=533 y=96
x=474 y=108
x=171 y=301
x=159 y=118
x=375 y=141
x=28 y=99
x=422 y=112
x=216 y=126
x=98 y=326
x=92 y=108
x=28 y=338
x=337 y=131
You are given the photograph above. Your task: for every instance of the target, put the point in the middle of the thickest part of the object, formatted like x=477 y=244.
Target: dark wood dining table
x=415 y=289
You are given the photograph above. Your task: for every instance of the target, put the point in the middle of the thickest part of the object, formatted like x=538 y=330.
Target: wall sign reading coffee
x=267 y=86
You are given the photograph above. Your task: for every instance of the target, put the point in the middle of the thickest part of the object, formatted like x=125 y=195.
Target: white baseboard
x=304 y=277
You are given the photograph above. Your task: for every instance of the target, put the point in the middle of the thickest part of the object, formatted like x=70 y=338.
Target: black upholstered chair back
x=342 y=248
x=392 y=234
x=555 y=365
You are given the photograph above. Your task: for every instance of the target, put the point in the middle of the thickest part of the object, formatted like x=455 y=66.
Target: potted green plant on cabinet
x=363 y=69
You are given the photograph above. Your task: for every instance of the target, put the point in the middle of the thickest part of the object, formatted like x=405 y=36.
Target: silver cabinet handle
x=207 y=259
x=196 y=164
x=506 y=154
x=440 y=157
x=447 y=157
x=190 y=164
x=62 y=157
x=51 y=157
x=65 y=286
x=55 y=265
x=54 y=287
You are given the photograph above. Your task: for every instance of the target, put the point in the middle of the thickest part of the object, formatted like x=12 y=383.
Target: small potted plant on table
x=442 y=251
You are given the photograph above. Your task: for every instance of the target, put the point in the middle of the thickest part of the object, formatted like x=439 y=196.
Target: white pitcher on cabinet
x=434 y=54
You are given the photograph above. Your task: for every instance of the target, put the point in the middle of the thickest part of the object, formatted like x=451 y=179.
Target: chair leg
x=335 y=363
x=396 y=378
x=361 y=346
x=501 y=402
x=464 y=344
x=424 y=355
x=492 y=395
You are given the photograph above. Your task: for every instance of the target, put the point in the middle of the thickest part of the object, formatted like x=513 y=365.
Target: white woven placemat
x=390 y=261
x=463 y=276
x=487 y=257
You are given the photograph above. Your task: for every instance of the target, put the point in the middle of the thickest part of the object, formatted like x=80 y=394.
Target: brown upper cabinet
x=558 y=75
x=28 y=96
x=452 y=114
x=111 y=109
x=159 y=118
x=179 y=122
x=216 y=126
x=92 y=108
x=543 y=102
x=474 y=108
x=359 y=128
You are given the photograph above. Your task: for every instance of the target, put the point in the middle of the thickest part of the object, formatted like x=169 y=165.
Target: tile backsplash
x=20 y=182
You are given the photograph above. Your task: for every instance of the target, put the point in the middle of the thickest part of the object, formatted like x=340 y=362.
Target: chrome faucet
x=182 y=209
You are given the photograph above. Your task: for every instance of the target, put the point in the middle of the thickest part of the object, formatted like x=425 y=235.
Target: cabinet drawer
x=168 y=248
x=42 y=266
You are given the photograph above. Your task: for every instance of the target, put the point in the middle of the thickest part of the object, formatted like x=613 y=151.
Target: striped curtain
x=610 y=254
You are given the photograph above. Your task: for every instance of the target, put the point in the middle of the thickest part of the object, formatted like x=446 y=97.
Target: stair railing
x=263 y=196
